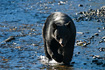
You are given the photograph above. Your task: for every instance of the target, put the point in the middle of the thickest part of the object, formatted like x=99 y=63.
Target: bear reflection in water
x=59 y=34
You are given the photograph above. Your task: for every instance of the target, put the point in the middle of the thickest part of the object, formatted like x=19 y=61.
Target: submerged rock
x=97 y=62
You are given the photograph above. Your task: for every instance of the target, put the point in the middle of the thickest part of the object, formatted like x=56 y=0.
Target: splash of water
x=46 y=61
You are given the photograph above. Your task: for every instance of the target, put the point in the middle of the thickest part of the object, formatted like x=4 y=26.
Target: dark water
x=24 y=19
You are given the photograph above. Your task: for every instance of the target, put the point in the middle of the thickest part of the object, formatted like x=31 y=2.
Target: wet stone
x=94 y=61
x=78 y=52
x=79 y=13
x=96 y=56
x=101 y=49
x=72 y=62
x=90 y=9
x=101 y=41
x=98 y=28
x=103 y=28
x=10 y=38
x=98 y=20
x=99 y=63
x=96 y=34
x=103 y=65
x=84 y=63
x=76 y=55
x=87 y=32
x=103 y=7
x=91 y=37
x=91 y=14
x=91 y=55
x=103 y=37
x=81 y=43
x=61 y=3
x=80 y=5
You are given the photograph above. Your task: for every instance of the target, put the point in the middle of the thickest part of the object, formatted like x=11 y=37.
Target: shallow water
x=24 y=19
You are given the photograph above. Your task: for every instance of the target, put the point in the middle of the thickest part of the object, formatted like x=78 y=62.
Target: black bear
x=59 y=37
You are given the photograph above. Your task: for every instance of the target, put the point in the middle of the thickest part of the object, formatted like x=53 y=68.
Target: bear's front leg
x=53 y=52
x=46 y=52
x=68 y=55
x=57 y=57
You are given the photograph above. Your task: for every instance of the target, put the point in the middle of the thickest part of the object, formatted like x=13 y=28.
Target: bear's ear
x=68 y=24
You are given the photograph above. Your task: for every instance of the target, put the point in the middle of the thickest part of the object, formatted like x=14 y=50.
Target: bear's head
x=62 y=33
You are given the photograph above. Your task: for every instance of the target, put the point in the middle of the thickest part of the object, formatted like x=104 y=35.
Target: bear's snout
x=62 y=42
